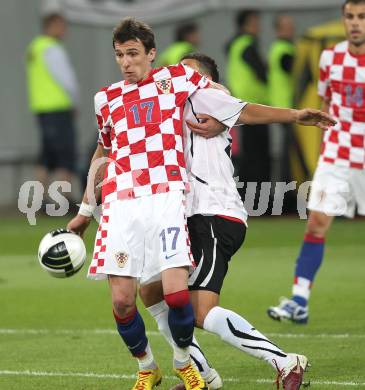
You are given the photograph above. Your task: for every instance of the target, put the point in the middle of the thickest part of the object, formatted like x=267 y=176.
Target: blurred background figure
x=53 y=98
x=187 y=40
x=281 y=94
x=281 y=58
x=247 y=80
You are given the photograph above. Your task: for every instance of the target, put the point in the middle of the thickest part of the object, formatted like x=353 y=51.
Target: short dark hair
x=206 y=64
x=133 y=29
x=244 y=15
x=48 y=19
x=351 y=1
x=184 y=29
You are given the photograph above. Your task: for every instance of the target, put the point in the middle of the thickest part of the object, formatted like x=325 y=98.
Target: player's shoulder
x=111 y=87
x=341 y=47
x=334 y=54
x=104 y=93
x=338 y=48
x=170 y=71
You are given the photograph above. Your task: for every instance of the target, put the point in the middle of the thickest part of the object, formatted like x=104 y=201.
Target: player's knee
x=123 y=304
x=177 y=299
x=318 y=224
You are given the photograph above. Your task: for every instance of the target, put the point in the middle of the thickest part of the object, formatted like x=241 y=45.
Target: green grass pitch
x=59 y=334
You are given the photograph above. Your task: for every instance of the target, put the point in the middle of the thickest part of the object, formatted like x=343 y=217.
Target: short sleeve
x=103 y=119
x=218 y=104
x=195 y=80
x=324 y=89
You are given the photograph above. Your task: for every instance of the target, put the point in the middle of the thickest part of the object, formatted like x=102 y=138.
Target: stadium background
x=59 y=334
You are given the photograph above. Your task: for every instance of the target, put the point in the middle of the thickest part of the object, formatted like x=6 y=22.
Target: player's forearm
x=254 y=114
x=92 y=192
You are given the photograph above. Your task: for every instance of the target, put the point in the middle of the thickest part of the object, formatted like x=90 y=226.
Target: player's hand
x=79 y=224
x=207 y=127
x=312 y=117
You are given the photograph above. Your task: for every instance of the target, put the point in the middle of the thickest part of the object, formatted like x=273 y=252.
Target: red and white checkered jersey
x=141 y=124
x=342 y=81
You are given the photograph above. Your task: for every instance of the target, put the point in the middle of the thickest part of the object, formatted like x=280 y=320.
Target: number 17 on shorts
x=169 y=239
x=175 y=248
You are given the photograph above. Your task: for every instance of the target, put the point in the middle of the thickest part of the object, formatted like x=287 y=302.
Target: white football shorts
x=337 y=190
x=142 y=237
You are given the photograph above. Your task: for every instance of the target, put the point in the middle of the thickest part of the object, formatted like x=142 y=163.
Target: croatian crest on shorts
x=121 y=258
x=164 y=85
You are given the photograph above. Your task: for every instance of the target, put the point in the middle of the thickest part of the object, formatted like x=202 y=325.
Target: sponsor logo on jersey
x=164 y=85
x=121 y=258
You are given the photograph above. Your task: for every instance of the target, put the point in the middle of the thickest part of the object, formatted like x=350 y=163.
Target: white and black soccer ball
x=62 y=253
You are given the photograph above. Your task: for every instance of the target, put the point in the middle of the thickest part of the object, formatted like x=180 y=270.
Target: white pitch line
x=323 y=383
x=66 y=374
x=4 y=331
x=13 y=331
x=318 y=335
x=128 y=377
x=86 y=375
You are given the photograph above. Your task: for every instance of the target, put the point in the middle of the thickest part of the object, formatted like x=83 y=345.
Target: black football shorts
x=214 y=240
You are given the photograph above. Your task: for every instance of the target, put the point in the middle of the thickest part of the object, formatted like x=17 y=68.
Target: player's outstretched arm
x=92 y=194
x=253 y=114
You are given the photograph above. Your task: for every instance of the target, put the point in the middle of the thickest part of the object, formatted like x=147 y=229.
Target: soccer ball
x=62 y=253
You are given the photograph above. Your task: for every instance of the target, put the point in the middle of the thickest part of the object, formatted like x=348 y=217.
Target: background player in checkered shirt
x=142 y=231
x=217 y=227
x=339 y=181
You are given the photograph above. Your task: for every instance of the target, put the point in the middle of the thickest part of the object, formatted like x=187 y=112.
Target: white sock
x=198 y=358
x=160 y=312
x=236 y=331
x=302 y=288
x=147 y=362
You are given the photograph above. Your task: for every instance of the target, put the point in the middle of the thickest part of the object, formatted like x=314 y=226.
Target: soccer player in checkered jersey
x=140 y=127
x=339 y=181
x=217 y=227
x=142 y=233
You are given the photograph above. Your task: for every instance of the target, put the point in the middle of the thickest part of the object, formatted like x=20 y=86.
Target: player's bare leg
x=307 y=266
x=132 y=330
x=203 y=301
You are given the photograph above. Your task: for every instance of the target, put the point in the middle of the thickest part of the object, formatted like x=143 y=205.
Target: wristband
x=86 y=210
